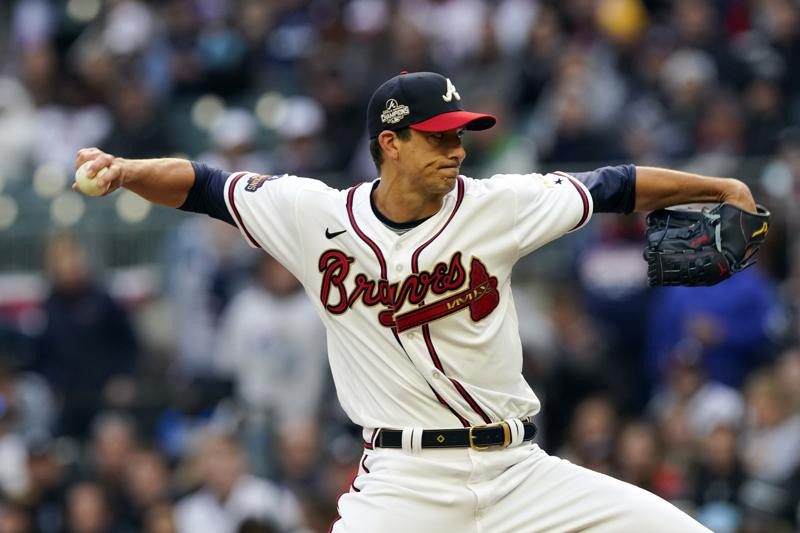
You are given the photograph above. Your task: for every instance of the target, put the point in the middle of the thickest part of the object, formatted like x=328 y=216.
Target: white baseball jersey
x=421 y=327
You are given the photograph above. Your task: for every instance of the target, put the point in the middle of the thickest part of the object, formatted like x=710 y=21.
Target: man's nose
x=457 y=151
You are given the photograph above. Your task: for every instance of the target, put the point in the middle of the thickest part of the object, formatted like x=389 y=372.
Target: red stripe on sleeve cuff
x=236 y=214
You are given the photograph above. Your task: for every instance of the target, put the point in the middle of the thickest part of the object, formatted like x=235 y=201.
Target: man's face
x=434 y=158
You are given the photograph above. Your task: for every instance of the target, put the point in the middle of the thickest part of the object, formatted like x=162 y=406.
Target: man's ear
x=389 y=142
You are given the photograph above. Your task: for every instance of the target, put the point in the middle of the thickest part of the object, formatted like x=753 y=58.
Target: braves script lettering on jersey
x=422 y=330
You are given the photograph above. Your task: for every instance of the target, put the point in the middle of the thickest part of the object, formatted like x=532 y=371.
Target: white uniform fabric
x=422 y=333
x=516 y=490
x=453 y=370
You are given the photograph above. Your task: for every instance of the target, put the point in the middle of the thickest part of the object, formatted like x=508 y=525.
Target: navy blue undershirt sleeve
x=207 y=195
x=613 y=189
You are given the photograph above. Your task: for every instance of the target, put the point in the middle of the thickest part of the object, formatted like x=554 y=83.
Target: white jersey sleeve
x=546 y=207
x=265 y=210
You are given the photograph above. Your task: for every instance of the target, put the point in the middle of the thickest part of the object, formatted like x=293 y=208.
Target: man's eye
x=437 y=136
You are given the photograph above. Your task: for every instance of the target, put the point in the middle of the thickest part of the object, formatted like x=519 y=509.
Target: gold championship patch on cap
x=394 y=112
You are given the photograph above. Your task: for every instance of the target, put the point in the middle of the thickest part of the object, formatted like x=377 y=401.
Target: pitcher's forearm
x=657 y=188
x=161 y=181
x=164 y=181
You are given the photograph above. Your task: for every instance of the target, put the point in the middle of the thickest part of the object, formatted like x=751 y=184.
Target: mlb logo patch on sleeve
x=255 y=182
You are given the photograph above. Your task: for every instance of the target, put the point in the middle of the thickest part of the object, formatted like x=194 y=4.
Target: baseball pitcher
x=411 y=275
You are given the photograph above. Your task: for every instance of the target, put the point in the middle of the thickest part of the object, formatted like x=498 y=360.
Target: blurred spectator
x=13 y=453
x=591 y=435
x=764 y=106
x=28 y=401
x=256 y=526
x=778 y=21
x=579 y=372
x=272 y=345
x=614 y=281
x=540 y=56
x=87 y=348
x=233 y=135
x=138 y=131
x=780 y=179
x=203 y=271
x=194 y=407
x=717 y=474
x=452 y=43
x=639 y=460
x=771 y=439
x=89 y=511
x=146 y=485
x=110 y=451
x=573 y=119
x=770 y=452
x=341 y=134
x=47 y=486
x=733 y=321
x=228 y=495
x=694 y=22
x=17 y=118
x=705 y=404
x=15 y=519
x=787 y=371
x=159 y=519
x=301 y=151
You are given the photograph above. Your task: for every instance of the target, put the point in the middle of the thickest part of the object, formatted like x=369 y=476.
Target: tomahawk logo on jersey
x=439 y=290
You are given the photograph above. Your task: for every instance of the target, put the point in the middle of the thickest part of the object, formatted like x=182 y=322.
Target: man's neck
x=402 y=204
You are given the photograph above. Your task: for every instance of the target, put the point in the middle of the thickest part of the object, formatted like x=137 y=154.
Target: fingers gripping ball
x=688 y=247
x=87 y=183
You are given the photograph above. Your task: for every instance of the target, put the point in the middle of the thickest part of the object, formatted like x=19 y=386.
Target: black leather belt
x=476 y=437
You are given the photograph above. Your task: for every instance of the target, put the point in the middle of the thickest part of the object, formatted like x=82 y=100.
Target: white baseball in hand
x=87 y=183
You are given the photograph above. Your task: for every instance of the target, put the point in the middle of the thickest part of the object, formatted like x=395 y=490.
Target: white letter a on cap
x=451 y=92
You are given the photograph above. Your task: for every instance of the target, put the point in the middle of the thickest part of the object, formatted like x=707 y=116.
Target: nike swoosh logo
x=330 y=235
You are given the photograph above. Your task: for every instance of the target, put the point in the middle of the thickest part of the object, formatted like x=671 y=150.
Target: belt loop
x=416 y=440
x=517 y=431
x=412 y=440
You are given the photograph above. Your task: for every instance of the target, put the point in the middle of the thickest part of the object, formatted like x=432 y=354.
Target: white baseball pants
x=513 y=490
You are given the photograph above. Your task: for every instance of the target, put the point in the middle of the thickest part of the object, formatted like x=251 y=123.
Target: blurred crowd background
x=158 y=376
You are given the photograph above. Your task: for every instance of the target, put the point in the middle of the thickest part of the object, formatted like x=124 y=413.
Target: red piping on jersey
x=426 y=334
x=583 y=198
x=459 y=199
x=461 y=419
x=236 y=211
x=377 y=251
x=426 y=330
x=370 y=243
x=464 y=421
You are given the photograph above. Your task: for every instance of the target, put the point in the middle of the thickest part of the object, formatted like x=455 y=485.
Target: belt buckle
x=506 y=436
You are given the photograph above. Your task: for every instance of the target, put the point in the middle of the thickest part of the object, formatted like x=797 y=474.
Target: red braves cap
x=424 y=101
